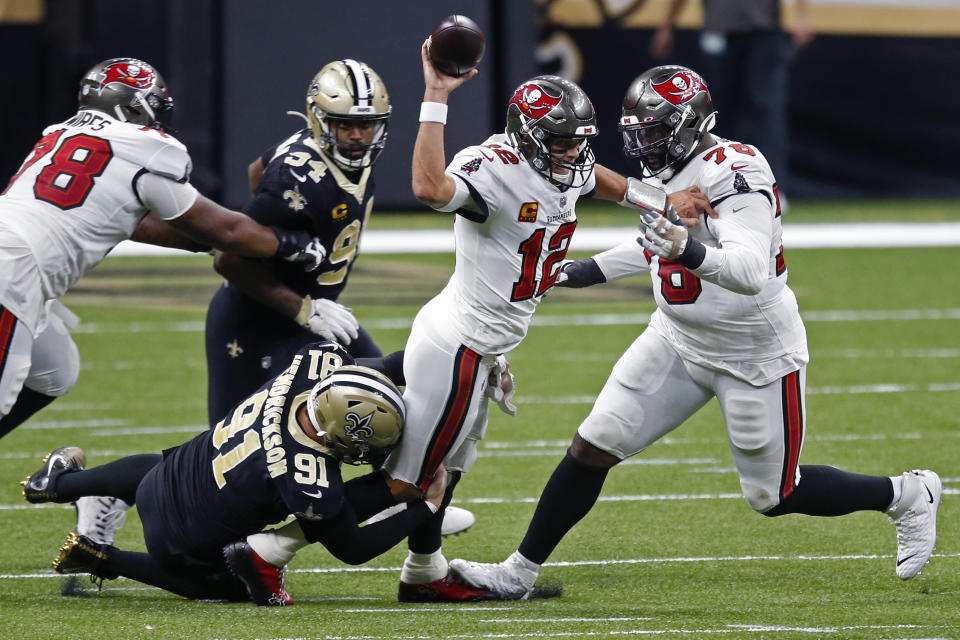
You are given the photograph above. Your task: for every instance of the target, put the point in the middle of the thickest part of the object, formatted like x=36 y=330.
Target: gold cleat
x=79 y=554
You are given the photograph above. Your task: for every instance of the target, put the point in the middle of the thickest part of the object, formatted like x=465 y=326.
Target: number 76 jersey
x=509 y=253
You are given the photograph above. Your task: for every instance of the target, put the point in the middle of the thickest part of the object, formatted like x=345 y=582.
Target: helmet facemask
x=351 y=155
x=129 y=90
x=346 y=96
x=547 y=116
x=666 y=114
x=359 y=413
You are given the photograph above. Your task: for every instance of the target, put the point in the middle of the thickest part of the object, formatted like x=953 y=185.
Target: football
x=457 y=45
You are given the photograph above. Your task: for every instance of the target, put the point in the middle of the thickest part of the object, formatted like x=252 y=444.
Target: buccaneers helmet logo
x=680 y=87
x=534 y=101
x=130 y=74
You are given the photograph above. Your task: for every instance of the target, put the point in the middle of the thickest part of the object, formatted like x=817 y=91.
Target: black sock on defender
x=119 y=478
x=828 y=491
x=568 y=497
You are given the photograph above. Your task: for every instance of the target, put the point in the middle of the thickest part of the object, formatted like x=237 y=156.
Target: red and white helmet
x=543 y=109
x=666 y=112
x=129 y=90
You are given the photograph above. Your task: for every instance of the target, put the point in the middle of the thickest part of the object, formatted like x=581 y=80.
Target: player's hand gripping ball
x=456 y=45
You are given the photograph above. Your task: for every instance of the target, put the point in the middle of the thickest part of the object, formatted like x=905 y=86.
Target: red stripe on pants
x=465 y=370
x=793 y=430
x=7 y=322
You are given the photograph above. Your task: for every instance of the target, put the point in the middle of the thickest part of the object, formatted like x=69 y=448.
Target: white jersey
x=507 y=256
x=735 y=312
x=74 y=199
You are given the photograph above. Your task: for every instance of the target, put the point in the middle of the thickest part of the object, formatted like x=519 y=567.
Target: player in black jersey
x=319 y=179
x=277 y=453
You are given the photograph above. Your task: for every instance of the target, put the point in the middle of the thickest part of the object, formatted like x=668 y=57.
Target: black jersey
x=302 y=189
x=254 y=468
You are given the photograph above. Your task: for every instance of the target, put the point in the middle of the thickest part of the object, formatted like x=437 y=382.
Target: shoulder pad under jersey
x=154 y=150
x=731 y=168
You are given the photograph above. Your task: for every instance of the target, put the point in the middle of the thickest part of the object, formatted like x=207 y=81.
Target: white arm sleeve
x=622 y=261
x=461 y=197
x=168 y=198
x=744 y=230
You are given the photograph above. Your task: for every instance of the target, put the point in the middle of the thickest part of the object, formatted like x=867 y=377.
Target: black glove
x=299 y=247
x=580 y=273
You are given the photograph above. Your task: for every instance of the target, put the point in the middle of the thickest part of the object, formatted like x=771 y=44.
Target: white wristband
x=433 y=112
x=433 y=508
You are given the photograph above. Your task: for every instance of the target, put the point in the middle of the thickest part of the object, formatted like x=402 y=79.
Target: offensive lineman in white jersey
x=726 y=326
x=86 y=186
x=514 y=198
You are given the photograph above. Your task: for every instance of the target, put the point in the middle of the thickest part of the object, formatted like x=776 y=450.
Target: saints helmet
x=546 y=108
x=129 y=90
x=343 y=91
x=358 y=411
x=666 y=113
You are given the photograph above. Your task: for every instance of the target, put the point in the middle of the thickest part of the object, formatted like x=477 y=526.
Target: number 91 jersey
x=255 y=467
x=509 y=253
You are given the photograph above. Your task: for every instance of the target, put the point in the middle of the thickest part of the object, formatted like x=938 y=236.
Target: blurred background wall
x=874 y=101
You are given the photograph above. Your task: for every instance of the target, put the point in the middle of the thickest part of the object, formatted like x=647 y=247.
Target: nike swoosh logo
x=317 y=495
x=300 y=178
x=740 y=209
x=929 y=494
x=733 y=167
x=900 y=562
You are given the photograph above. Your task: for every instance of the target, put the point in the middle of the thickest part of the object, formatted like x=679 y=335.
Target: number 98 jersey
x=254 y=468
x=74 y=199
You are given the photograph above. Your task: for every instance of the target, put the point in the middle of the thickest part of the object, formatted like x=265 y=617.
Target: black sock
x=827 y=491
x=189 y=582
x=119 y=479
x=28 y=403
x=567 y=498
x=427 y=538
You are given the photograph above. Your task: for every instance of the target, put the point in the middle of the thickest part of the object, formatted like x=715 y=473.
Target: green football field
x=670 y=551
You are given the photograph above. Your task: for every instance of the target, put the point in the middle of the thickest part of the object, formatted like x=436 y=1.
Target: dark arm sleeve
x=355 y=545
x=368 y=495
x=390 y=365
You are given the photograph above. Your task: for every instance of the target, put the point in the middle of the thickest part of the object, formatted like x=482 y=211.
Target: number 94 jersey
x=255 y=467
x=302 y=189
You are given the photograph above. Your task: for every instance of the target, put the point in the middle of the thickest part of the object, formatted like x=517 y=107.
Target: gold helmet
x=343 y=91
x=359 y=412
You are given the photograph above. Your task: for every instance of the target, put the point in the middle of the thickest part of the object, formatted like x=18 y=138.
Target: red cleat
x=263 y=580
x=442 y=590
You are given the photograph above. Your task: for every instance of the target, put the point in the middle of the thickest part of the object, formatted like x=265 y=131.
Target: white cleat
x=915 y=517
x=455 y=519
x=508 y=580
x=100 y=517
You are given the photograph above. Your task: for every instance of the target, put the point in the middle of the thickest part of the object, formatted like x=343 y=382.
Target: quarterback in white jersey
x=514 y=197
x=88 y=184
x=726 y=326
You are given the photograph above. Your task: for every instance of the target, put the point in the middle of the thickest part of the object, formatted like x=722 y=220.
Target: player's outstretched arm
x=431 y=185
x=153 y=229
x=689 y=203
